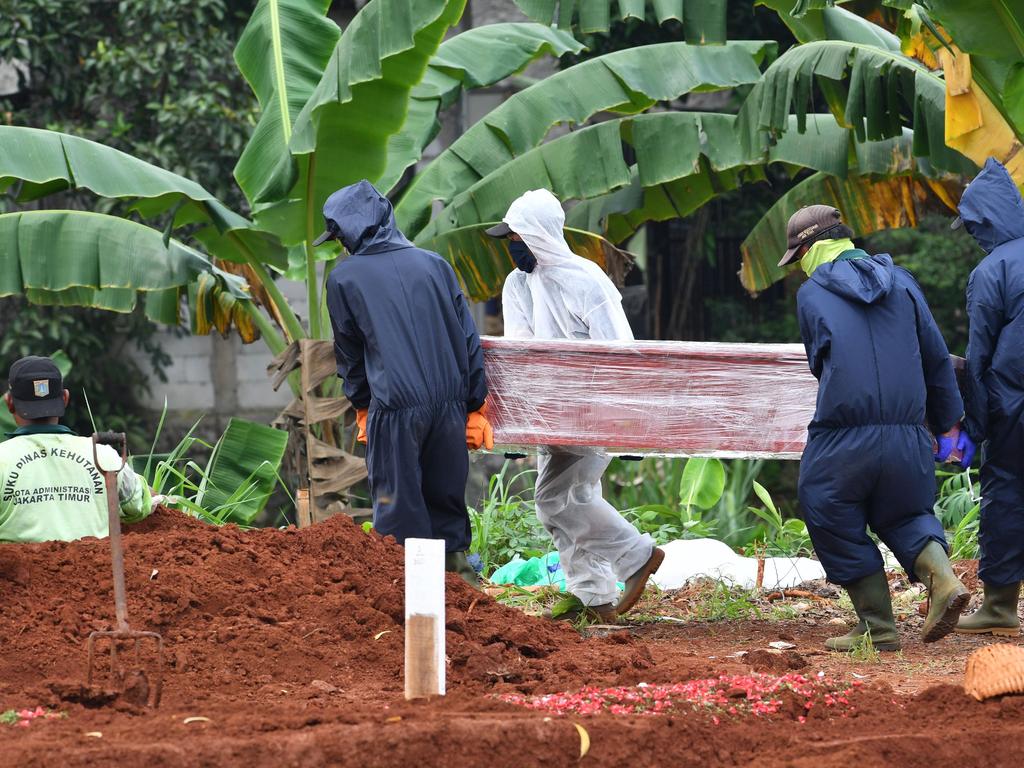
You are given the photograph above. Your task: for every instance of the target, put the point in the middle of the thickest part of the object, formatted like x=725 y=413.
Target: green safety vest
x=50 y=489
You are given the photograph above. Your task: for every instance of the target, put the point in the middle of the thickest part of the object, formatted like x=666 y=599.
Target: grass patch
x=864 y=650
x=717 y=601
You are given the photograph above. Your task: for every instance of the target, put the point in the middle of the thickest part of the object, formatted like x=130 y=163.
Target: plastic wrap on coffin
x=651 y=397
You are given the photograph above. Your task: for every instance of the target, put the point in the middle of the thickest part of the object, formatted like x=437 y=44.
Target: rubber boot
x=871 y=601
x=457 y=562
x=947 y=597
x=997 y=615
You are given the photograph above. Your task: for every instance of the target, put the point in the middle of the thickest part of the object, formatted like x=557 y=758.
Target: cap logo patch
x=41 y=387
x=805 y=232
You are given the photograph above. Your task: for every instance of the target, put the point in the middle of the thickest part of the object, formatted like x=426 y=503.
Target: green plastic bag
x=537 y=571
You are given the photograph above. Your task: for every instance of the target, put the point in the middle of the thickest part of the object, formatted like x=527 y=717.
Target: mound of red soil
x=289 y=645
x=243 y=610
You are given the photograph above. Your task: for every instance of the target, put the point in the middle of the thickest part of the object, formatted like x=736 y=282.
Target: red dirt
x=290 y=642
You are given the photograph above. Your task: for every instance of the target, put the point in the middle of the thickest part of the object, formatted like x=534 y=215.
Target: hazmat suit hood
x=566 y=296
x=864 y=280
x=363 y=219
x=991 y=207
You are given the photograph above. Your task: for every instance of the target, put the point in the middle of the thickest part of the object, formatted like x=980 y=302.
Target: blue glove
x=967 y=448
x=945 y=447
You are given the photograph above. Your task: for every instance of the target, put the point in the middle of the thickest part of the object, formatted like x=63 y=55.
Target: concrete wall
x=216 y=378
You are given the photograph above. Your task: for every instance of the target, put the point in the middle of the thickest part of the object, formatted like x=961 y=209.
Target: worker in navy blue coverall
x=992 y=211
x=410 y=357
x=883 y=371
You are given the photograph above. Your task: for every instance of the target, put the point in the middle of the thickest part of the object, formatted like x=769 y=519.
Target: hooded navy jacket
x=993 y=212
x=874 y=347
x=403 y=333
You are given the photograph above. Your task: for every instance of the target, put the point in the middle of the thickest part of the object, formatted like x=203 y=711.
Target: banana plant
x=307 y=76
x=338 y=106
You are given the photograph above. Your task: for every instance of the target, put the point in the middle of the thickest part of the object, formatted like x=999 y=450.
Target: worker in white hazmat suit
x=555 y=294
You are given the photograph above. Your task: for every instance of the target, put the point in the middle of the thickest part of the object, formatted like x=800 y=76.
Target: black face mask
x=522 y=256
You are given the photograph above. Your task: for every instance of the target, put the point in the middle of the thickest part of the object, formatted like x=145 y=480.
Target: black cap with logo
x=37 y=388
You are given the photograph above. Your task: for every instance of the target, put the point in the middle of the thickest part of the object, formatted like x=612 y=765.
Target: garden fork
x=121 y=631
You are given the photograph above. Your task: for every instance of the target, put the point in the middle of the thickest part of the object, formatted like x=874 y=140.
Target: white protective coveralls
x=569 y=297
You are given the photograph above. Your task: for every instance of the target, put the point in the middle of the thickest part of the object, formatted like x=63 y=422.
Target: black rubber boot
x=947 y=597
x=871 y=601
x=457 y=562
x=997 y=615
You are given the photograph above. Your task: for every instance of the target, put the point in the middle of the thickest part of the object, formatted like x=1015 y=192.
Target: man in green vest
x=50 y=488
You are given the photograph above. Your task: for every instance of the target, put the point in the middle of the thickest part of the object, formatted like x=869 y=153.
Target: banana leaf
x=242 y=472
x=831 y=23
x=825 y=147
x=476 y=58
x=627 y=82
x=886 y=90
x=704 y=21
x=91 y=259
x=482 y=262
x=45 y=162
x=683 y=160
x=341 y=134
x=990 y=28
x=868 y=204
x=667 y=146
x=282 y=54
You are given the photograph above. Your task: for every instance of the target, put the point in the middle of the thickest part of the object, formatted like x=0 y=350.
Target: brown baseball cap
x=806 y=224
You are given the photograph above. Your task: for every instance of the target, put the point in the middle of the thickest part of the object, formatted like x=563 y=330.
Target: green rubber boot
x=457 y=562
x=997 y=615
x=947 y=597
x=871 y=601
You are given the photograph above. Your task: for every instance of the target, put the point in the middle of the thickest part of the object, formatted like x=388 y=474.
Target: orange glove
x=478 y=430
x=361 y=422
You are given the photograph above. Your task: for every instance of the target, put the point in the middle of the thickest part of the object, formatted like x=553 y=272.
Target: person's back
x=410 y=359
x=415 y=342
x=50 y=487
x=405 y=306
x=992 y=211
x=51 y=490
x=1004 y=377
x=883 y=372
x=869 y=315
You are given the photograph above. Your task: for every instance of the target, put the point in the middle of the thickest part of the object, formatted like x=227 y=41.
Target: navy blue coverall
x=408 y=350
x=883 y=371
x=993 y=212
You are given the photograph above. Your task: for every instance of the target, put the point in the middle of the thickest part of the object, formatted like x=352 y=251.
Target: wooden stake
x=424 y=618
x=303 y=517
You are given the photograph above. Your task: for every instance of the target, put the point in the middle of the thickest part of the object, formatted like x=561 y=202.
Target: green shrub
x=506 y=525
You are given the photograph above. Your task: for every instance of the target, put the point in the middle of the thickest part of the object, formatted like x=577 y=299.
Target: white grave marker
x=424 y=618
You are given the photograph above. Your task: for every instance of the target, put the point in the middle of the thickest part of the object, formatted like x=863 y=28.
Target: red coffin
x=663 y=397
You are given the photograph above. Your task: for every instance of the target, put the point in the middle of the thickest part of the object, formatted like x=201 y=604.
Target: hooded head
x=991 y=207
x=537 y=217
x=864 y=280
x=362 y=219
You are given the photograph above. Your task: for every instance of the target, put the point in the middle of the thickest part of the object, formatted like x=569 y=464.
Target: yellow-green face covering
x=824 y=252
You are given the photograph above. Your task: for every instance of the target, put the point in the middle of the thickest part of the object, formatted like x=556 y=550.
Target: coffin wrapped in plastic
x=639 y=397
